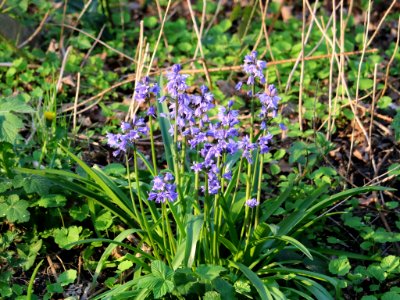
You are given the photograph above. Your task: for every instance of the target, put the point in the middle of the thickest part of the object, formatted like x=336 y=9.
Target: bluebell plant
x=223 y=147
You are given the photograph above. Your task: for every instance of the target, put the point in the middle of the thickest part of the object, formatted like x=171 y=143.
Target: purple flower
x=151 y=112
x=131 y=133
x=254 y=68
x=238 y=86
x=197 y=167
x=263 y=142
x=252 y=203
x=269 y=101
x=247 y=148
x=163 y=189
x=228 y=175
x=176 y=82
x=144 y=88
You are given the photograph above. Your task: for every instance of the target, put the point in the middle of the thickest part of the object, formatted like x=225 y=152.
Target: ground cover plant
x=246 y=150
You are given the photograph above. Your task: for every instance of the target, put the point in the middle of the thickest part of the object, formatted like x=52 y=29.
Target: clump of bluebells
x=209 y=153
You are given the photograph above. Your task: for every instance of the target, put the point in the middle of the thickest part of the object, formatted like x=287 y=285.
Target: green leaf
x=36 y=184
x=365 y=84
x=185 y=46
x=67 y=277
x=163 y=276
x=114 y=169
x=391 y=296
x=377 y=272
x=14 y=209
x=193 y=229
x=65 y=236
x=384 y=102
x=255 y=280
x=208 y=272
x=125 y=265
x=161 y=270
x=150 y=22
x=225 y=24
x=212 y=295
x=389 y=263
x=79 y=213
x=52 y=201
x=340 y=266
x=103 y=220
x=10 y=124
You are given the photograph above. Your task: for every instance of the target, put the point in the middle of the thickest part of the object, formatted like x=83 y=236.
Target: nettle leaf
x=65 y=236
x=160 y=280
x=340 y=266
x=67 y=277
x=51 y=200
x=208 y=272
x=36 y=184
x=10 y=124
x=14 y=209
x=161 y=270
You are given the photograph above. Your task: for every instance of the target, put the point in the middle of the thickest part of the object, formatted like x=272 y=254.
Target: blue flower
x=131 y=133
x=144 y=88
x=254 y=68
x=163 y=189
x=252 y=203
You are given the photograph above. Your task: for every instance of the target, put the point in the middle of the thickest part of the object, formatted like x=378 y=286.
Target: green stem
x=145 y=222
x=138 y=216
x=153 y=149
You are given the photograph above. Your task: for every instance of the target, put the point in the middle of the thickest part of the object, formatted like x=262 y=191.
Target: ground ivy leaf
x=103 y=220
x=79 y=213
x=65 y=236
x=14 y=209
x=340 y=266
x=67 y=277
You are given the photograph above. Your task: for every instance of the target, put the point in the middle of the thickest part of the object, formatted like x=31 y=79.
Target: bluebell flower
x=151 y=112
x=176 y=82
x=263 y=142
x=163 y=189
x=144 y=88
x=252 y=203
x=131 y=133
x=247 y=147
x=269 y=101
x=227 y=175
x=254 y=68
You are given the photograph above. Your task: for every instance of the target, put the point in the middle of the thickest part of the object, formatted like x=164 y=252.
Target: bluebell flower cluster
x=144 y=88
x=163 y=189
x=254 y=68
x=131 y=132
x=269 y=101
